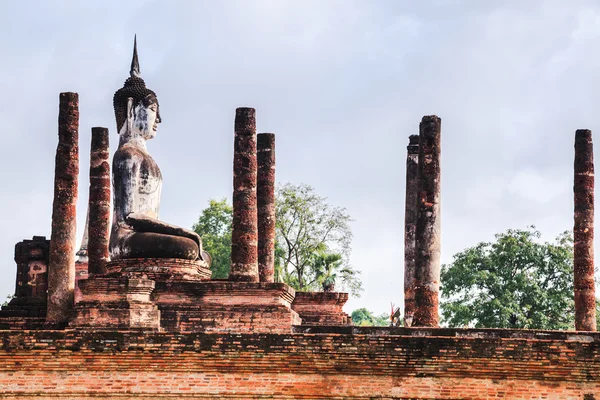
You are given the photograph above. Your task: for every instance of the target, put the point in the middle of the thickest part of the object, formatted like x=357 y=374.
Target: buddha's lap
x=158 y=245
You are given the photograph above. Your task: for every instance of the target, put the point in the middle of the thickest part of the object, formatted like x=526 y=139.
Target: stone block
x=321 y=308
x=117 y=302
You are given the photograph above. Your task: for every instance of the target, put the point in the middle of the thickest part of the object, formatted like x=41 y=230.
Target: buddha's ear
x=130 y=112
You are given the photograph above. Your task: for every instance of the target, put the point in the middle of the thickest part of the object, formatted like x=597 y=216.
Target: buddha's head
x=136 y=106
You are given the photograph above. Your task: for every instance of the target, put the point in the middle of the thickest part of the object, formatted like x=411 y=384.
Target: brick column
x=265 y=191
x=61 y=268
x=427 y=233
x=244 y=235
x=410 y=225
x=583 y=232
x=99 y=202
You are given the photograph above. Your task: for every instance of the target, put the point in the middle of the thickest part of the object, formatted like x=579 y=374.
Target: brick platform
x=224 y=306
x=368 y=363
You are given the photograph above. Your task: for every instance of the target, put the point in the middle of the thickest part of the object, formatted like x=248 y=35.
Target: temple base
x=175 y=295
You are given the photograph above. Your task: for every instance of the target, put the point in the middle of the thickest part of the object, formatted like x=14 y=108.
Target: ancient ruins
x=146 y=273
x=135 y=314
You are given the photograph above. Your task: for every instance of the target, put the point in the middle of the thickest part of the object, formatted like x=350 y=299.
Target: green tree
x=364 y=317
x=312 y=244
x=382 y=319
x=214 y=226
x=313 y=241
x=514 y=282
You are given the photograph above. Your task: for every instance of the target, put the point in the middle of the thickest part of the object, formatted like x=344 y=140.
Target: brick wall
x=367 y=363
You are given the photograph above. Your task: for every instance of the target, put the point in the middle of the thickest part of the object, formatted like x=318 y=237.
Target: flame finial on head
x=135 y=64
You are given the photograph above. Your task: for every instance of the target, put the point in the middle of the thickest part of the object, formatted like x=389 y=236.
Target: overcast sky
x=341 y=83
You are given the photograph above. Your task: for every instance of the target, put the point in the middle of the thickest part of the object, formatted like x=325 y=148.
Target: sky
x=342 y=84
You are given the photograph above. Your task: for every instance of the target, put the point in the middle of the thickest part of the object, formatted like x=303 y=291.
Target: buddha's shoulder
x=127 y=157
x=130 y=153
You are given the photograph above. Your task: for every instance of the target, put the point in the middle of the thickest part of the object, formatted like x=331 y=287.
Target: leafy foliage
x=313 y=241
x=364 y=317
x=312 y=245
x=214 y=226
x=514 y=282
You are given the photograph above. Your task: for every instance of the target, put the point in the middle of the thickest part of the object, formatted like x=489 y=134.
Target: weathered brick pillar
x=61 y=268
x=244 y=235
x=99 y=202
x=410 y=225
x=265 y=191
x=583 y=232
x=427 y=233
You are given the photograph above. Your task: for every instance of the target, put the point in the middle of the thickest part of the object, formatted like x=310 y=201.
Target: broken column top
x=413 y=144
x=245 y=121
x=428 y=133
x=265 y=139
x=584 y=156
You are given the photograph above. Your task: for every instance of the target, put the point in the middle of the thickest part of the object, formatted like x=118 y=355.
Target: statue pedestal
x=321 y=308
x=122 y=298
x=161 y=269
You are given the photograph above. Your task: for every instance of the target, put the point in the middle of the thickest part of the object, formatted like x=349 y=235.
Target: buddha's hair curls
x=134 y=87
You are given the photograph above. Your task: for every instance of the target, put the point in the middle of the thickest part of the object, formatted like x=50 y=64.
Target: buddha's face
x=146 y=118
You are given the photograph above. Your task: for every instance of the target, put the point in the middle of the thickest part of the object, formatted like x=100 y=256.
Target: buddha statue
x=136 y=230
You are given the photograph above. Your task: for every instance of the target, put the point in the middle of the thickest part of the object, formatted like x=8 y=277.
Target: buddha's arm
x=126 y=170
x=143 y=223
x=125 y=178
